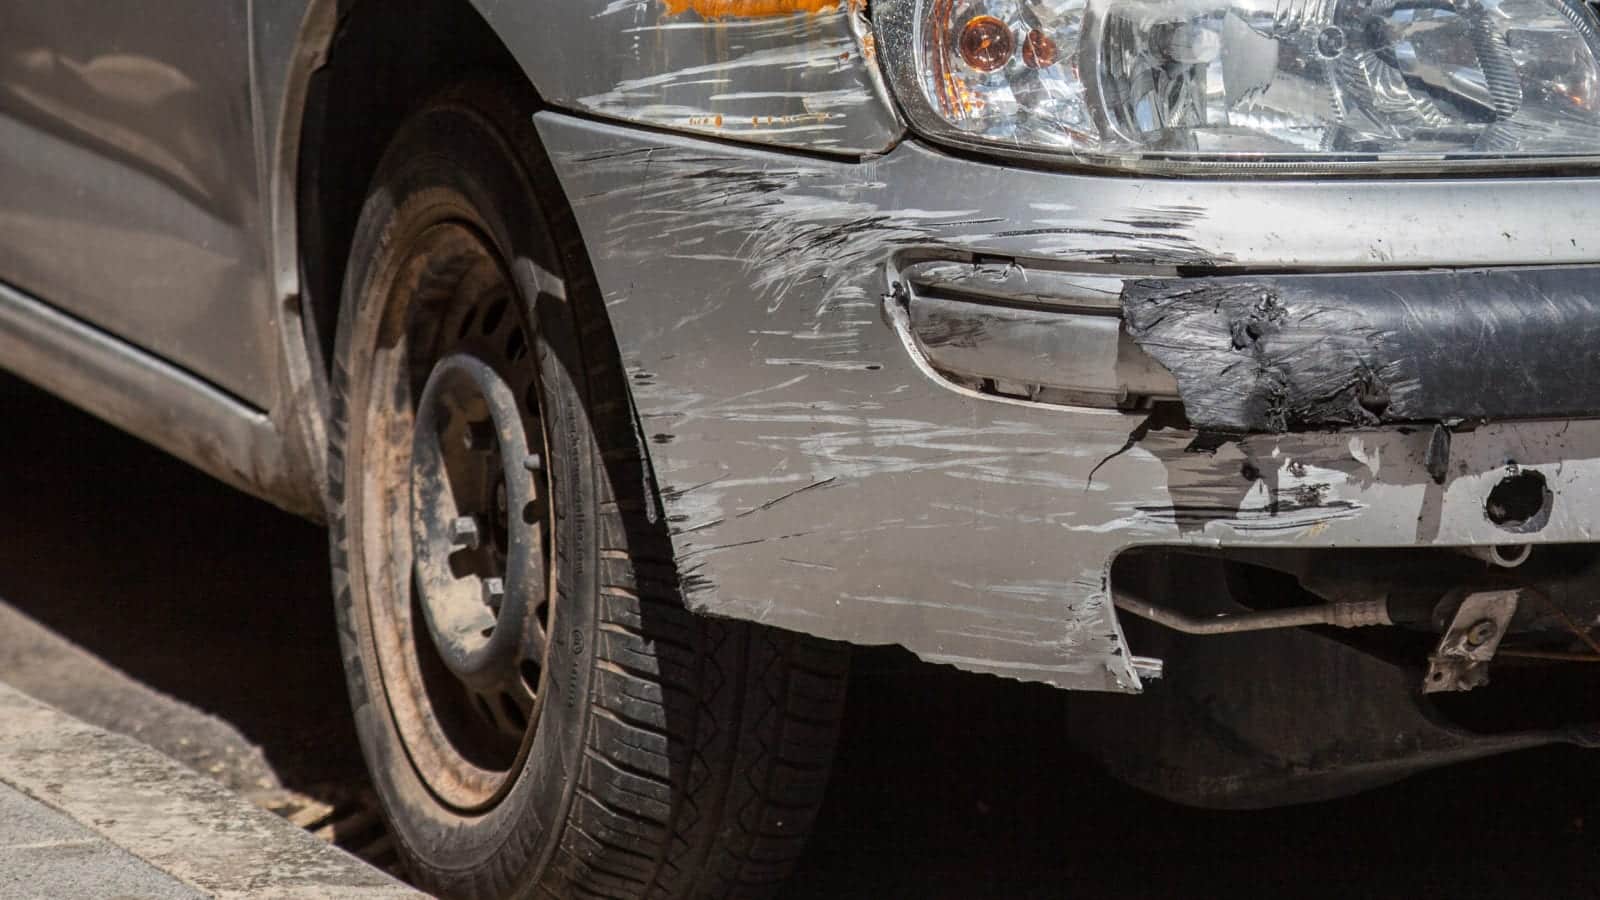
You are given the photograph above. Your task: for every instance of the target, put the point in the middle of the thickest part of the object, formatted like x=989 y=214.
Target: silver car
x=640 y=355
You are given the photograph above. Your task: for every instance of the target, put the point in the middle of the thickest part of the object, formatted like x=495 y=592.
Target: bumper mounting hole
x=1520 y=502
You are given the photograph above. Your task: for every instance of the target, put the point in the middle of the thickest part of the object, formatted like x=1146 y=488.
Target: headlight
x=1236 y=81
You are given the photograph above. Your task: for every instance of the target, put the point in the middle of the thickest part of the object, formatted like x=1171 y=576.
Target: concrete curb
x=175 y=820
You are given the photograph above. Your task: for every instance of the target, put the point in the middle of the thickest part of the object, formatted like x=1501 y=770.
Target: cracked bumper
x=1287 y=353
x=819 y=477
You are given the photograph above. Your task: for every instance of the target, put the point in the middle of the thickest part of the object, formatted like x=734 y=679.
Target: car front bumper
x=1358 y=363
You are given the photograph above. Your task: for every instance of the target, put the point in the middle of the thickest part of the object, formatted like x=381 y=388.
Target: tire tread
x=708 y=742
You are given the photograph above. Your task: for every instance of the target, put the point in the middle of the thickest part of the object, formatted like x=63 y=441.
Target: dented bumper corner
x=889 y=400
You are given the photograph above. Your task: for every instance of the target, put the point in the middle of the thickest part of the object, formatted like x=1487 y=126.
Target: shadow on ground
x=177 y=582
x=948 y=785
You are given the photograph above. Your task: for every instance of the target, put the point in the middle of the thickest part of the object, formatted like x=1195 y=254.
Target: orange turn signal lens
x=986 y=43
x=1038 y=51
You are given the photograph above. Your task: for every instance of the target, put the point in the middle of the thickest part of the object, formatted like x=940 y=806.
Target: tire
x=661 y=754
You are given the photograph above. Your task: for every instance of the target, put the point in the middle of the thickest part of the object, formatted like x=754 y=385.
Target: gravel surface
x=150 y=600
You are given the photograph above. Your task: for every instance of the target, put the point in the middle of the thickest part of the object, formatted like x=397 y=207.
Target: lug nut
x=464 y=532
x=1481 y=632
x=533 y=463
x=494 y=593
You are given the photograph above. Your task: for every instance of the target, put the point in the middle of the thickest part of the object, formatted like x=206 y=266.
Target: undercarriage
x=1298 y=675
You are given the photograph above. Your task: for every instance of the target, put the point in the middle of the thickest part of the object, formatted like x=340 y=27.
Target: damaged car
x=1232 y=362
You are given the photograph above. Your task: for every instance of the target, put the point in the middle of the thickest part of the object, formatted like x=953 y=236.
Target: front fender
x=796 y=73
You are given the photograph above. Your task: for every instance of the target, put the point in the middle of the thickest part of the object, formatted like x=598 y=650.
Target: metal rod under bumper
x=1358 y=614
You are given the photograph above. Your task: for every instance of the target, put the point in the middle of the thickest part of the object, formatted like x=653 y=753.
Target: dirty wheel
x=539 y=712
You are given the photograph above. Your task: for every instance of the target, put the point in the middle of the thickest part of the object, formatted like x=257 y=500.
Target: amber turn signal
x=1038 y=51
x=986 y=43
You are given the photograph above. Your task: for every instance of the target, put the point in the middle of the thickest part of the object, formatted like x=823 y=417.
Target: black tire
x=666 y=755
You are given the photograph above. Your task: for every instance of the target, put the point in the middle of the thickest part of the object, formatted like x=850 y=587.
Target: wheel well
x=380 y=64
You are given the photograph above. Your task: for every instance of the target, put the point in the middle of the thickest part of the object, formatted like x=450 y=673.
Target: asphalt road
x=144 y=597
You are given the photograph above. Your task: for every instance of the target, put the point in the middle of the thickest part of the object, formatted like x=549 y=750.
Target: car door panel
x=129 y=182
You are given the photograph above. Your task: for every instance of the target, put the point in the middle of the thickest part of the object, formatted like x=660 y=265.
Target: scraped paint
x=748 y=9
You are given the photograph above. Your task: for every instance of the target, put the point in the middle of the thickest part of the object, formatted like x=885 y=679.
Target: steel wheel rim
x=459 y=388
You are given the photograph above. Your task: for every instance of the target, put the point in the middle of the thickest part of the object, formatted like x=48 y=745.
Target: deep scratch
x=702 y=526
x=782 y=497
x=699 y=550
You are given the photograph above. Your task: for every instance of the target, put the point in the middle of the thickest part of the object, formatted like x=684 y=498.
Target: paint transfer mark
x=748 y=9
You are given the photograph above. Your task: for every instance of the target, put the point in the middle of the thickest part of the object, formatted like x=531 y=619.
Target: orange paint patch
x=748 y=9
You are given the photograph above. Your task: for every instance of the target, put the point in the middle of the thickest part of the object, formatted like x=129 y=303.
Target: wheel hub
x=478 y=534
x=479 y=567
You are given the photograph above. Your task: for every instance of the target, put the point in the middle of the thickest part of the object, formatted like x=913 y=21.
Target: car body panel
x=128 y=154
x=787 y=72
x=817 y=478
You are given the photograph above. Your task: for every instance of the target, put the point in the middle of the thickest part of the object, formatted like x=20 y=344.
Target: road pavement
x=87 y=813
x=43 y=852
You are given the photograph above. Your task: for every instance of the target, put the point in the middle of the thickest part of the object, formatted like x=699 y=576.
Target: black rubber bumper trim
x=1318 y=352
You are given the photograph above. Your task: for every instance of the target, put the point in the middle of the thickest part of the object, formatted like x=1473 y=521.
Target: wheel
x=540 y=714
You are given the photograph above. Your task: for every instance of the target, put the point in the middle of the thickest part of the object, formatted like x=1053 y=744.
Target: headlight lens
x=1256 y=80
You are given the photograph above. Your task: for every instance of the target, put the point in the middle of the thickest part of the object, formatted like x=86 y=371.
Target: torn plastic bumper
x=1272 y=353
x=1304 y=352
